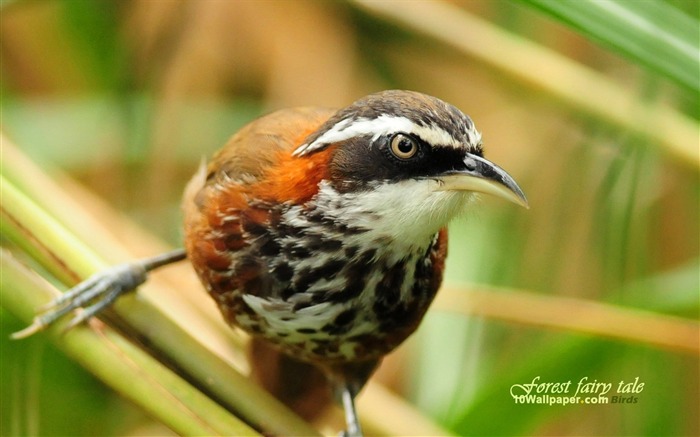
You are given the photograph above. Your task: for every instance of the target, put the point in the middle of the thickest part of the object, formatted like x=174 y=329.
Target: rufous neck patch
x=294 y=179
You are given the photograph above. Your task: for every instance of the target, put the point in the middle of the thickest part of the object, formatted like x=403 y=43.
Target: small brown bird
x=323 y=232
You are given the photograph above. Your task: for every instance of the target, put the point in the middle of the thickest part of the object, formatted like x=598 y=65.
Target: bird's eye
x=403 y=146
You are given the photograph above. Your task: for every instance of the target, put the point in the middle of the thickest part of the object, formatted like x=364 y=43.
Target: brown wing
x=257 y=145
x=256 y=163
x=251 y=152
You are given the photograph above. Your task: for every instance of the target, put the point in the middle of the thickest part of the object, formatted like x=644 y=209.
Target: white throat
x=408 y=212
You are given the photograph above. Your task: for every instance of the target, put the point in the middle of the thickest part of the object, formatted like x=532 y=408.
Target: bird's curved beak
x=483 y=176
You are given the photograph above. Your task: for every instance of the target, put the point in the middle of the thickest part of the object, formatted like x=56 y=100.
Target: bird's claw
x=101 y=290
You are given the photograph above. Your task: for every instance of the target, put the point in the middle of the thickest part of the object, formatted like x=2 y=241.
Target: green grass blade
x=652 y=33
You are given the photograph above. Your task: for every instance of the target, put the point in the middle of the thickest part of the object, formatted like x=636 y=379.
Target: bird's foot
x=98 y=292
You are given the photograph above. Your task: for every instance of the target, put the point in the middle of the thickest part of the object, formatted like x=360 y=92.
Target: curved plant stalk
x=578 y=315
x=119 y=363
x=567 y=81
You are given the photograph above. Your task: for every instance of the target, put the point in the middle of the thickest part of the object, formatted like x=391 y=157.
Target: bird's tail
x=300 y=386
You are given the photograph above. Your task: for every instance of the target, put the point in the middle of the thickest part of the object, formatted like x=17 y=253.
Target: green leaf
x=652 y=33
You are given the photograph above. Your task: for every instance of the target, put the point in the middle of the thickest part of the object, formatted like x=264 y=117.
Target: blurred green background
x=592 y=107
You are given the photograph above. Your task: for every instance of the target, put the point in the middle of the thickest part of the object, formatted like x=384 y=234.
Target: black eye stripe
x=360 y=161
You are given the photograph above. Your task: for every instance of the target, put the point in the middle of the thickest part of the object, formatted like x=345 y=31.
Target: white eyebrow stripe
x=384 y=124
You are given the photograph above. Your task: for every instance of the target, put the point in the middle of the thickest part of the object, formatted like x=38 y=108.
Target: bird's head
x=405 y=162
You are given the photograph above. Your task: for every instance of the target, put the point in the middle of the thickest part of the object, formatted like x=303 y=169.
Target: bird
x=323 y=232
